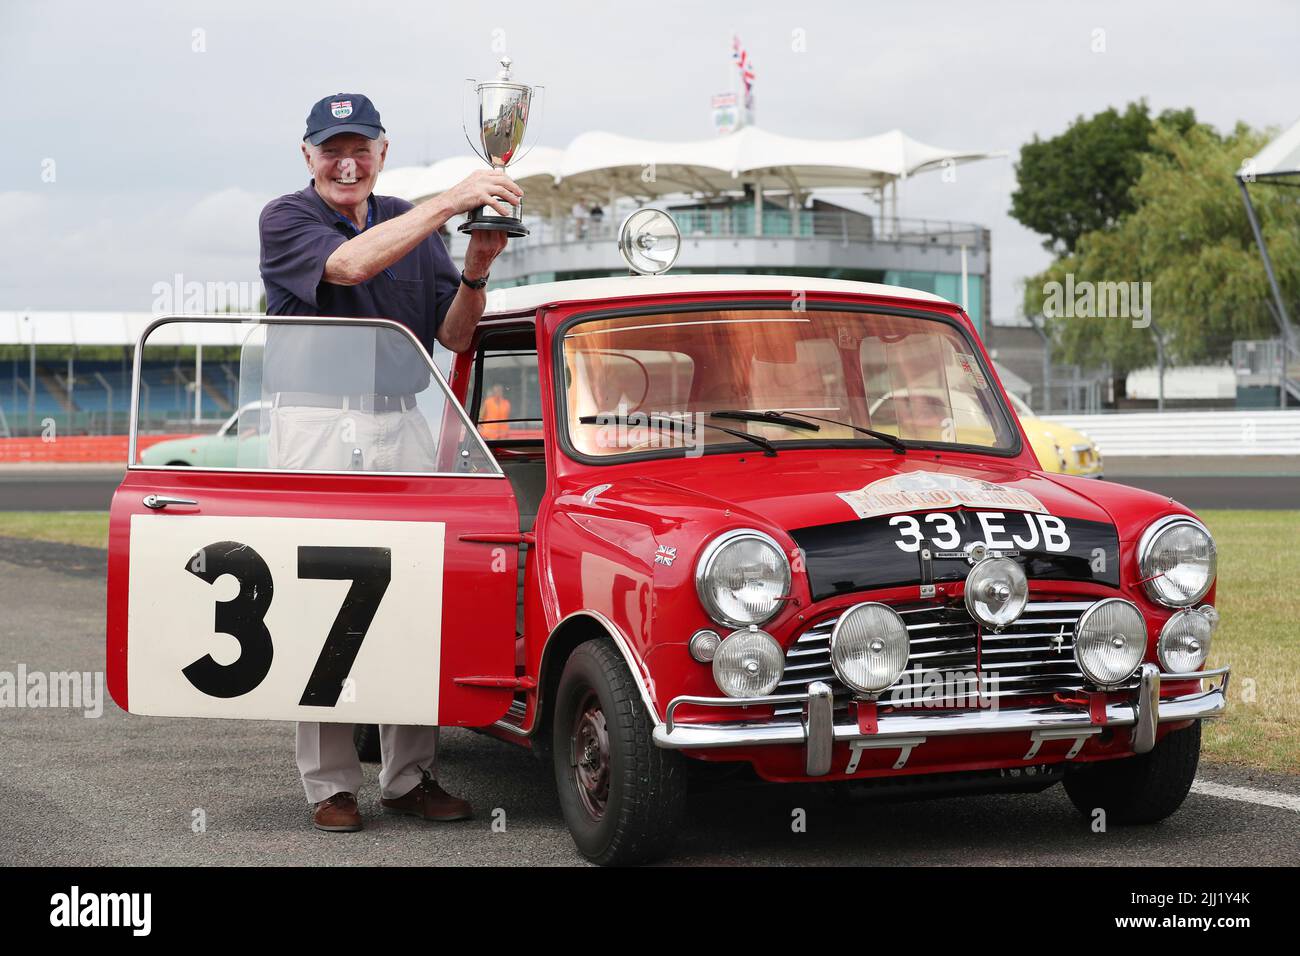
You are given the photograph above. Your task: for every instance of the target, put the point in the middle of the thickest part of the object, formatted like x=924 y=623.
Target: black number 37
x=242 y=617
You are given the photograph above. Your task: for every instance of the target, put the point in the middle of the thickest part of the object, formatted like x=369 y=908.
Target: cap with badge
x=342 y=113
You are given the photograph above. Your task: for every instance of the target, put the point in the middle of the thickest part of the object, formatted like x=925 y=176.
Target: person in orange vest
x=495 y=414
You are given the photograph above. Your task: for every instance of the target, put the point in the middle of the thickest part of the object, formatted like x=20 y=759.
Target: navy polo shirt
x=299 y=232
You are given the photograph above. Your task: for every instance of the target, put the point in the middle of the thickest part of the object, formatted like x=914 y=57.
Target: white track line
x=1266 y=798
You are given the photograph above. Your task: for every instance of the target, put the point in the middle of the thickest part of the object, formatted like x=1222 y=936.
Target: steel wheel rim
x=591 y=756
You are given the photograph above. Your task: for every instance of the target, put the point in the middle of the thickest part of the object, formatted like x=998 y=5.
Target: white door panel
x=295 y=660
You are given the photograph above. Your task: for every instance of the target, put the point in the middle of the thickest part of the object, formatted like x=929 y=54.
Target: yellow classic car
x=924 y=413
x=1059 y=448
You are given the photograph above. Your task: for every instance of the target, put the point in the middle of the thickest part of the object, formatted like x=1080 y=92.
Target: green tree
x=1189 y=237
x=1080 y=180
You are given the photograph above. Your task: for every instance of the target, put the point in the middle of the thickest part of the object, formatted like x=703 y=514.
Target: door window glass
x=509 y=398
x=325 y=395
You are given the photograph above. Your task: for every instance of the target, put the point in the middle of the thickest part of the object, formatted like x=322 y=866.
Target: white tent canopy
x=414 y=183
x=596 y=165
x=1279 y=158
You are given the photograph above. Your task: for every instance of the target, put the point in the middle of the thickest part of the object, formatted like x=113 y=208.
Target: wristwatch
x=473 y=283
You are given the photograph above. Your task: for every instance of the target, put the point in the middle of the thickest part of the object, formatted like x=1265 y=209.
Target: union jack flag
x=739 y=54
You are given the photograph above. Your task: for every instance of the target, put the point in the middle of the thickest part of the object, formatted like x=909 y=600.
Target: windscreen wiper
x=776 y=418
x=769 y=450
x=899 y=446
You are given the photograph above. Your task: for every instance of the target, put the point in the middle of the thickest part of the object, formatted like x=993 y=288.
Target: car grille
x=1033 y=656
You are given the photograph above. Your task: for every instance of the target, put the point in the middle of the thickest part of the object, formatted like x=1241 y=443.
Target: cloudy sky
x=142 y=138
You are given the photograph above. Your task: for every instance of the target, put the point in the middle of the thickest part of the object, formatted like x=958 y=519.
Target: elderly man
x=336 y=249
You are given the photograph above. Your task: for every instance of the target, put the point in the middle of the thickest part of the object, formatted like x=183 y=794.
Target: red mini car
x=664 y=521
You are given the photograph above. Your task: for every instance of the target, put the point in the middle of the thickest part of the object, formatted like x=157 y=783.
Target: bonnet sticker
x=924 y=490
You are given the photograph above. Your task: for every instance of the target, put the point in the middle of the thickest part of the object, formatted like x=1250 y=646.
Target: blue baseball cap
x=342 y=113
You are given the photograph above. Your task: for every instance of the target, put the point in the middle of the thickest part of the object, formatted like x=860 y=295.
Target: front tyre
x=1142 y=789
x=623 y=798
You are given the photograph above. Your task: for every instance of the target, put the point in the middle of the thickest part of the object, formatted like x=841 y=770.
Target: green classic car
x=219 y=450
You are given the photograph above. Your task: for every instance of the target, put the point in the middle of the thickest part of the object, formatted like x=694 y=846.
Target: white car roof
x=526 y=298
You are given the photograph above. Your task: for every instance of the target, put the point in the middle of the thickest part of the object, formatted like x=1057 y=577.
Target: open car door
x=356 y=563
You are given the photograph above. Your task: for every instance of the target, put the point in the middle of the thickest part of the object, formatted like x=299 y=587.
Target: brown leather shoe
x=428 y=801
x=338 y=814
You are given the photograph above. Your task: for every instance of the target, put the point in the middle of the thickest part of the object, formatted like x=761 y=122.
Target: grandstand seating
x=169 y=397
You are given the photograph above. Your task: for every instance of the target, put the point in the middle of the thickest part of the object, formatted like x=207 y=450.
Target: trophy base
x=485 y=217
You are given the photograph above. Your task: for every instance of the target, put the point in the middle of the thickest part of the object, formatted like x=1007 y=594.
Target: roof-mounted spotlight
x=649 y=241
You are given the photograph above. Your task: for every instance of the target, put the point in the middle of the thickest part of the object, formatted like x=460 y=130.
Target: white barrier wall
x=1220 y=434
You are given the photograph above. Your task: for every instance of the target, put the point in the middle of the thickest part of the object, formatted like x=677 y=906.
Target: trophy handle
x=536 y=135
x=463 y=127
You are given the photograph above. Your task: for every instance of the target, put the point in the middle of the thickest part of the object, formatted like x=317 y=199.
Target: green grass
x=89 y=528
x=1259 y=638
x=1259 y=635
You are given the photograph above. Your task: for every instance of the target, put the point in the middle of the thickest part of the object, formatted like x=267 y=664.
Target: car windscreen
x=639 y=383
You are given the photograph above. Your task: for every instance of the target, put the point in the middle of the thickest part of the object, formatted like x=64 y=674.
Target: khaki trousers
x=328 y=762
x=329 y=439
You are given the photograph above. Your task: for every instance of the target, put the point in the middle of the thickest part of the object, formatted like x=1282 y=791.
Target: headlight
x=869 y=647
x=1177 y=559
x=748 y=663
x=996 y=592
x=1185 y=639
x=1109 y=641
x=740 y=576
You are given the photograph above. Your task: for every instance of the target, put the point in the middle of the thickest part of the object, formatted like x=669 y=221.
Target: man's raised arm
x=374 y=250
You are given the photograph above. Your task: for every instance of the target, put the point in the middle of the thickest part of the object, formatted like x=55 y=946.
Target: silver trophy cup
x=503 y=109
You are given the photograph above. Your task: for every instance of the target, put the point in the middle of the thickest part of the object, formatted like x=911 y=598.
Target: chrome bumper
x=818 y=732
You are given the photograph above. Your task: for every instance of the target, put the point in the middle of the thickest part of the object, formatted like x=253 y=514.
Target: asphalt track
x=81 y=489
x=120 y=789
